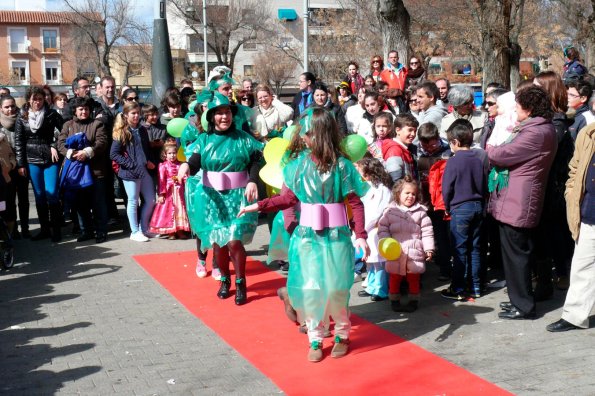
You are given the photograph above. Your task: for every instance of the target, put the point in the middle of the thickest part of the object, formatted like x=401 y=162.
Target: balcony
x=19 y=48
x=51 y=50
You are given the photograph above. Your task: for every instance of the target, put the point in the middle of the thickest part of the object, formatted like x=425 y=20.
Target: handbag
x=116 y=166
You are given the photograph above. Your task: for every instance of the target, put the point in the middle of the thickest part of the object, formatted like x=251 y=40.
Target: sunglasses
x=414 y=63
x=131 y=98
x=490 y=104
x=245 y=98
x=375 y=61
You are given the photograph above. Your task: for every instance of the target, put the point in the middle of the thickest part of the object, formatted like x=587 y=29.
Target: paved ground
x=80 y=318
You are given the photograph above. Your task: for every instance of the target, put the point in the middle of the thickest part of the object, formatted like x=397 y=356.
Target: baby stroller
x=6 y=243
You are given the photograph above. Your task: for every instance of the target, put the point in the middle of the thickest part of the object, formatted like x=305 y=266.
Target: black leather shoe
x=101 y=237
x=514 y=313
x=376 y=298
x=44 y=233
x=224 y=288
x=363 y=293
x=561 y=325
x=85 y=236
x=241 y=295
x=507 y=306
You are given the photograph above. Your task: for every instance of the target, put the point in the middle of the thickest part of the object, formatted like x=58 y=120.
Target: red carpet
x=379 y=362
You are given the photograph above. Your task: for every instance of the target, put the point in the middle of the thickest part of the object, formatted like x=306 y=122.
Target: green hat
x=204 y=97
x=217 y=82
x=218 y=101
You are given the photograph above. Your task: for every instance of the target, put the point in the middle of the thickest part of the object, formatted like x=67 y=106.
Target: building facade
x=38 y=48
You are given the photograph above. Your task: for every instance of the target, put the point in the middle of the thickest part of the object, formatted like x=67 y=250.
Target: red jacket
x=395 y=79
x=435 y=182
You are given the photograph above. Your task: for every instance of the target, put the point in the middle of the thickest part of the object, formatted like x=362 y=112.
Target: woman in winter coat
x=517 y=195
x=271 y=114
x=322 y=99
x=37 y=156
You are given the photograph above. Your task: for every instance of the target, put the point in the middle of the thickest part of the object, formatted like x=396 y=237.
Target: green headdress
x=217 y=82
x=218 y=101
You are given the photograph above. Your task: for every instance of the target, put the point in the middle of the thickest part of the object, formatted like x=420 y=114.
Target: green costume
x=213 y=213
x=321 y=270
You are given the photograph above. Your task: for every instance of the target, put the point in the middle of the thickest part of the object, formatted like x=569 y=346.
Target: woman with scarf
x=271 y=114
x=322 y=99
x=416 y=73
x=376 y=65
x=353 y=77
x=37 y=156
x=19 y=185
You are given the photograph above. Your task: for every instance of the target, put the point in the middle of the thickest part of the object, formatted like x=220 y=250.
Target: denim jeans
x=44 y=179
x=134 y=189
x=465 y=225
x=90 y=199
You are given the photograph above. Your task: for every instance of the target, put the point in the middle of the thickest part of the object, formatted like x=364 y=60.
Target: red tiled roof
x=35 y=17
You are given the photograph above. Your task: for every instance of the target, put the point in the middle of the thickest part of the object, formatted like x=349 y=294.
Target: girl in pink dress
x=169 y=216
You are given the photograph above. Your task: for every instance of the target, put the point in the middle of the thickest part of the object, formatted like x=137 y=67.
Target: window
x=248 y=70
x=20 y=72
x=435 y=68
x=49 y=40
x=250 y=42
x=18 y=40
x=52 y=71
x=249 y=16
x=462 y=67
x=135 y=69
x=195 y=44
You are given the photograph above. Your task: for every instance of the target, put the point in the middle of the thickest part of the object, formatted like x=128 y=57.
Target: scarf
x=415 y=73
x=8 y=122
x=498 y=177
x=36 y=119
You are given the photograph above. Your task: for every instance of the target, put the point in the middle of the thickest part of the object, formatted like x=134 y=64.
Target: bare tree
x=276 y=74
x=579 y=16
x=126 y=56
x=499 y=23
x=395 y=24
x=105 y=24
x=230 y=23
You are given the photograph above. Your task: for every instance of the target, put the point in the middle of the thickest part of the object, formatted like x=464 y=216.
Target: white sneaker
x=216 y=274
x=139 y=237
x=201 y=269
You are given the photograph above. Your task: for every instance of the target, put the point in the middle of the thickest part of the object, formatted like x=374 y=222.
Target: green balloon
x=355 y=147
x=176 y=126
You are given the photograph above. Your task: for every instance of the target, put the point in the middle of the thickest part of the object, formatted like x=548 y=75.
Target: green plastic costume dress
x=321 y=262
x=213 y=213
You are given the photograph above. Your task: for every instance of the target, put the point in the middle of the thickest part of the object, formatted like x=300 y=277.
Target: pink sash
x=225 y=180
x=321 y=216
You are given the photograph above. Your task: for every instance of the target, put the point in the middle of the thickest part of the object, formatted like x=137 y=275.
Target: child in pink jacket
x=406 y=221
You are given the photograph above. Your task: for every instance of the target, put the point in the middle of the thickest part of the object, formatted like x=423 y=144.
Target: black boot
x=224 y=287
x=44 y=221
x=241 y=297
x=56 y=222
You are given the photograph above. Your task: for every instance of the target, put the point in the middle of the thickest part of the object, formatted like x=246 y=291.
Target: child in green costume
x=320 y=177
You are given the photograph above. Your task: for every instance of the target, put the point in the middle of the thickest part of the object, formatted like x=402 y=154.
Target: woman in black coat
x=36 y=132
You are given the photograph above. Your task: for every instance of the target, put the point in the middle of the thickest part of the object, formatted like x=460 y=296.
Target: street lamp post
x=306 y=16
x=192 y=11
x=162 y=73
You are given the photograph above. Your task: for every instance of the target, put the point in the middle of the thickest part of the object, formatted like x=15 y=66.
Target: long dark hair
x=31 y=92
x=325 y=138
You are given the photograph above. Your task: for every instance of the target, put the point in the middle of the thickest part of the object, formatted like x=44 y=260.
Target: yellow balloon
x=181 y=156
x=272 y=175
x=389 y=248
x=274 y=150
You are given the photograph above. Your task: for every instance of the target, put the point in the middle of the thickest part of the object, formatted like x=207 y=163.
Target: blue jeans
x=134 y=189
x=44 y=179
x=465 y=225
x=377 y=279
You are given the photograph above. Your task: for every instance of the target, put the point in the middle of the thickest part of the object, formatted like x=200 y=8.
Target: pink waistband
x=225 y=180
x=321 y=216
